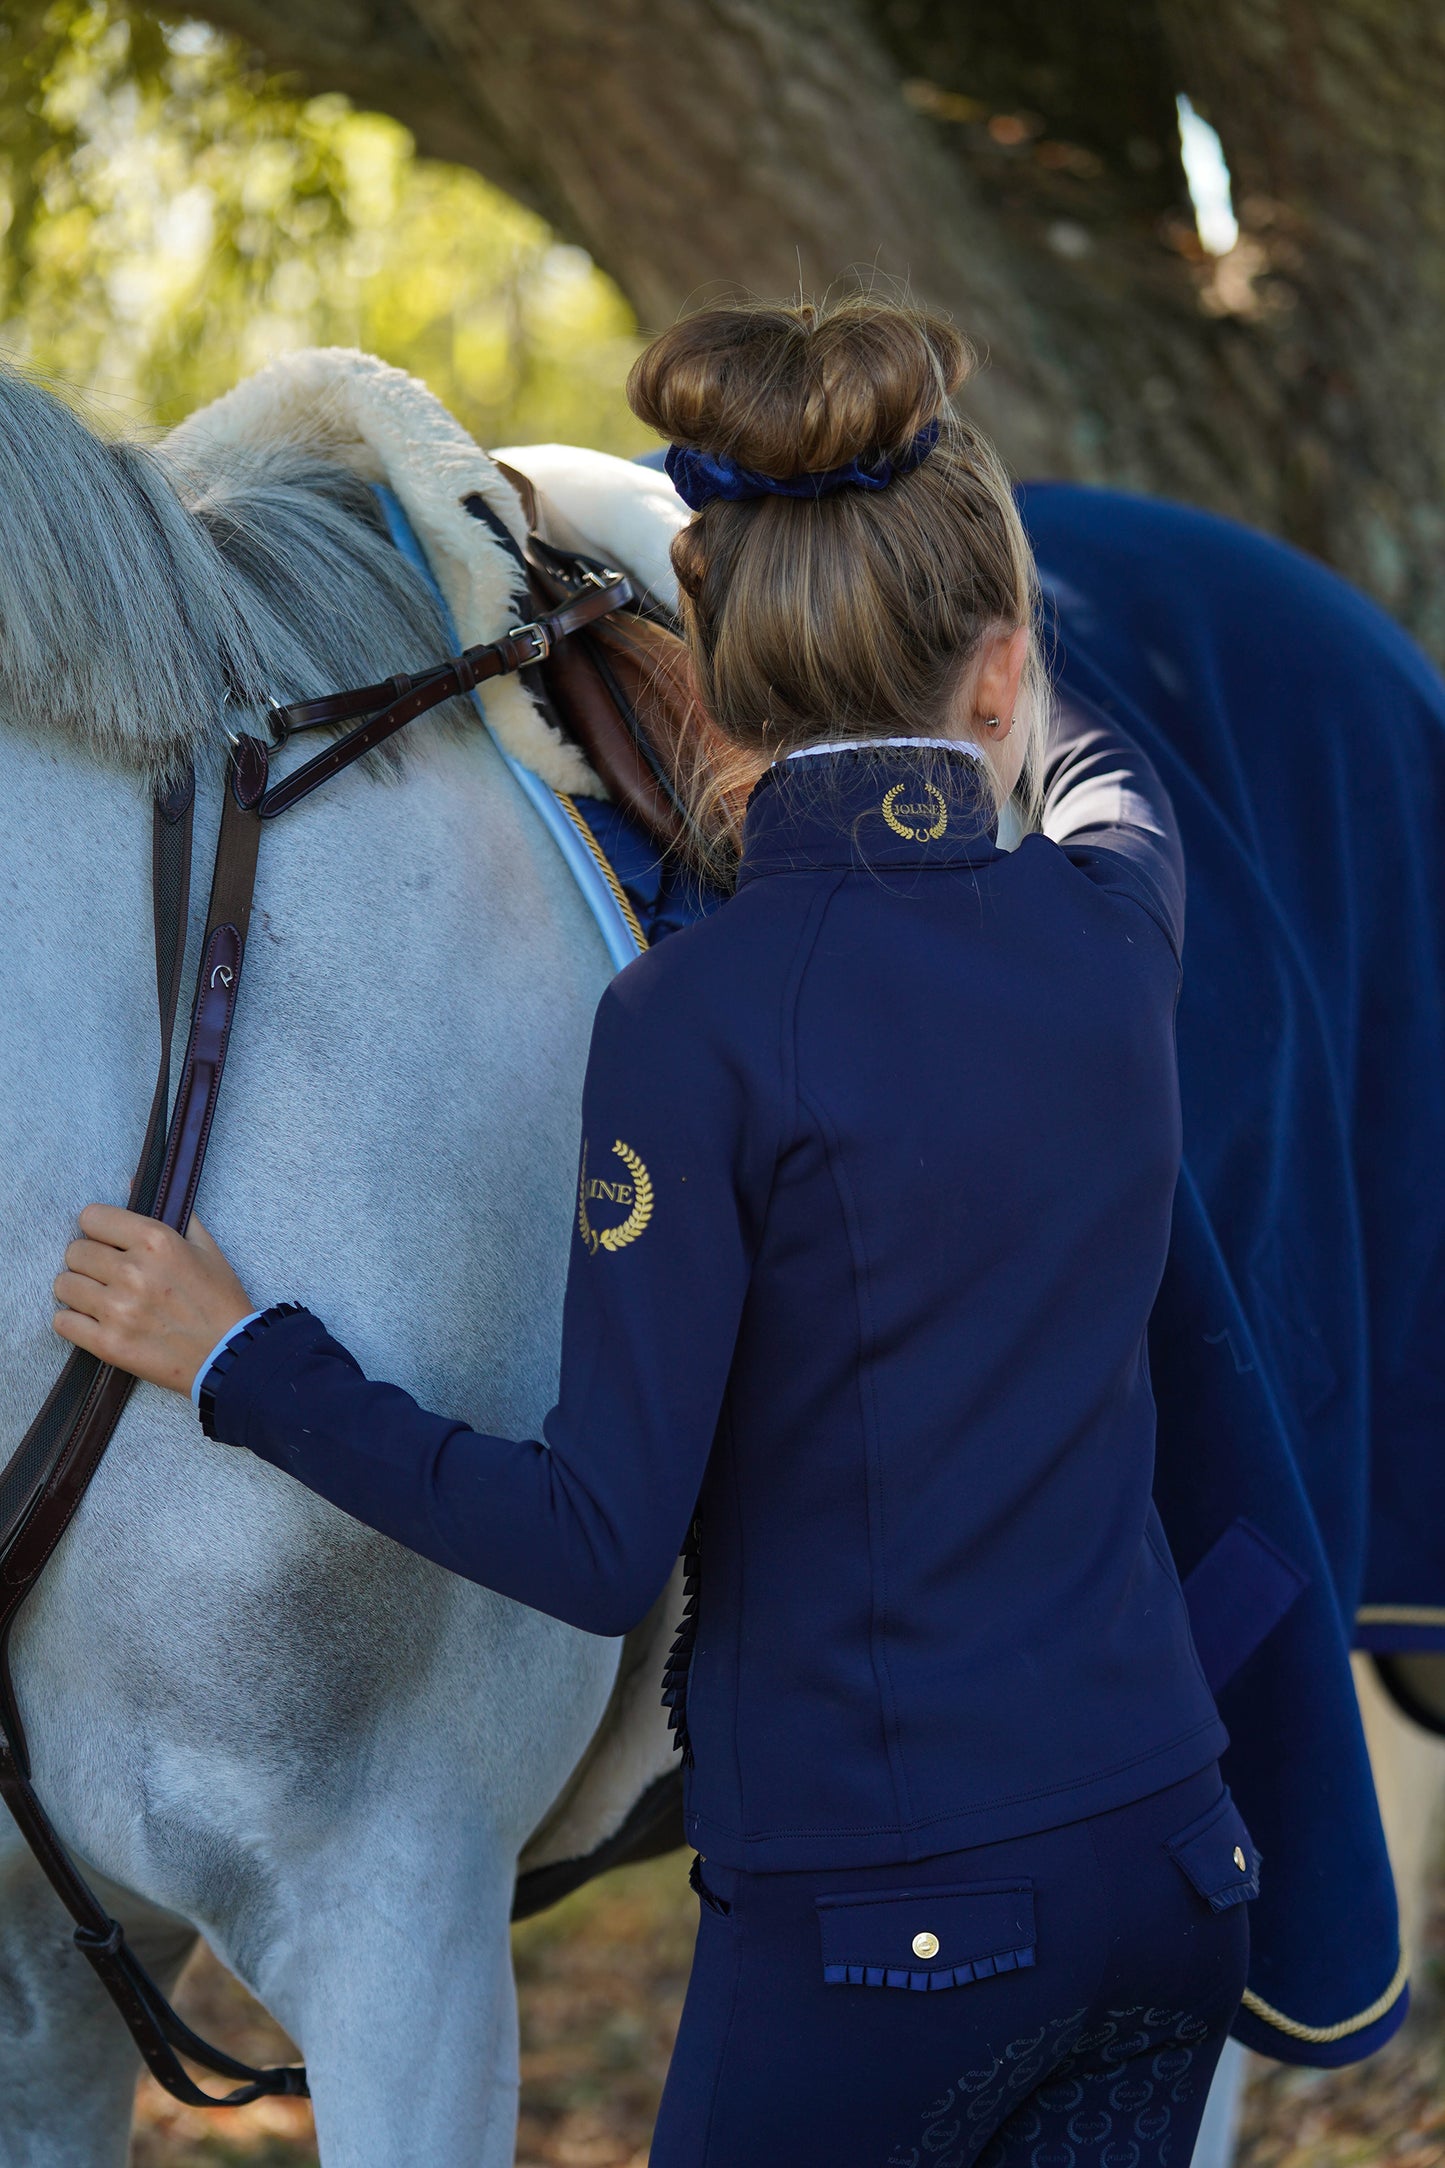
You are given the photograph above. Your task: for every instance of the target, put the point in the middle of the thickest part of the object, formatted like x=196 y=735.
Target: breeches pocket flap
x=927 y=1938
x=1217 y=1855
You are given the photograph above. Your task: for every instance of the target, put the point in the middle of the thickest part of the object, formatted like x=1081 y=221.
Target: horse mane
x=147 y=607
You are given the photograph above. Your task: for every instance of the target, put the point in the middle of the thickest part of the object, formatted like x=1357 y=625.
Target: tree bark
x=1331 y=112
x=1018 y=166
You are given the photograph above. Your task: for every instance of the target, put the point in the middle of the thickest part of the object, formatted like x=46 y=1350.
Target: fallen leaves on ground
x=1388 y=2112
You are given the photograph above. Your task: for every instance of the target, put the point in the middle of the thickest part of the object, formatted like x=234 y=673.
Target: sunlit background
x=171 y=217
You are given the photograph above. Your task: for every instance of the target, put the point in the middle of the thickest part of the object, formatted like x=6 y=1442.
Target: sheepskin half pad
x=385 y=426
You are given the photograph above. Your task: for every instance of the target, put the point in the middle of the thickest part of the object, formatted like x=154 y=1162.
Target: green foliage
x=170 y=217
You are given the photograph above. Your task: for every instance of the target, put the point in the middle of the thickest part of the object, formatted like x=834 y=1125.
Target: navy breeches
x=1056 y=2001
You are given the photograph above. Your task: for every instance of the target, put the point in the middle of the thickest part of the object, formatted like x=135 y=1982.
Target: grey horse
x=250 y=1716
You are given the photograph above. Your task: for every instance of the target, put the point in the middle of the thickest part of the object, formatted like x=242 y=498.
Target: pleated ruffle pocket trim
x=927 y=1939
x=982 y=1968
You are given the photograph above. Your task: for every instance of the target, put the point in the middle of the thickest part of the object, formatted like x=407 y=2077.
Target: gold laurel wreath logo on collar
x=637 y=1193
x=927 y=813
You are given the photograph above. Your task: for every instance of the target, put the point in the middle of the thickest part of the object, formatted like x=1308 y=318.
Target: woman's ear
x=1002 y=657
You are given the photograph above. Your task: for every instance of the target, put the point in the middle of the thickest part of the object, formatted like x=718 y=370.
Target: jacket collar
x=873 y=806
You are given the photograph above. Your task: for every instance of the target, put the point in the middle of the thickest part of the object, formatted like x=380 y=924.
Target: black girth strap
x=218 y=982
x=40 y=1452
x=54 y=1464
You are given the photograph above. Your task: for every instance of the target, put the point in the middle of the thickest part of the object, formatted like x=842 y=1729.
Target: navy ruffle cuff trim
x=206 y=1403
x=679 y=1657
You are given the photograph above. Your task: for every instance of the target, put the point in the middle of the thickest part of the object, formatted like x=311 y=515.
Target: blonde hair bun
x=848 y=611
x=799 y=389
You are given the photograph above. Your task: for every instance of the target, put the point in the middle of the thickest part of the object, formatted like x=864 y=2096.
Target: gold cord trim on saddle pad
x=1320 y=2034
x=604 y=867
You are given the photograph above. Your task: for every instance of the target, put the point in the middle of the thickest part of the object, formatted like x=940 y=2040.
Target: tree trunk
x=1333 y=115
x=1019 y=167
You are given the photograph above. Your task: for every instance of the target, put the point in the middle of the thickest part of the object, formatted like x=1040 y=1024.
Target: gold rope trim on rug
x=604 y=867
x=1257 y=2005
x=1400 y=1614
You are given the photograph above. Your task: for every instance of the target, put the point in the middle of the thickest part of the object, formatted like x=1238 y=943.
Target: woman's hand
x=146 y=1299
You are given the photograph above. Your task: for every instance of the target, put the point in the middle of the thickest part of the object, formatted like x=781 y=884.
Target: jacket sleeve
x=585 y=1522
x=1109 y=813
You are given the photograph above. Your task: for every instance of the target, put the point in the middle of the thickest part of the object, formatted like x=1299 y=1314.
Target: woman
x=874 y=1199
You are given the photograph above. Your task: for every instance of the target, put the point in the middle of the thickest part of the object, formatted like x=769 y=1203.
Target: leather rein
x=48 y=1474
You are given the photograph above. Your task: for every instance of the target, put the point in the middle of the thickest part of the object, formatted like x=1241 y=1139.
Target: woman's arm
x=1109 y=813
x=585 y=1522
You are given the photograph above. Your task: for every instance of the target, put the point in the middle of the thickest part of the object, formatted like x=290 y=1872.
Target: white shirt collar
x=853 y=745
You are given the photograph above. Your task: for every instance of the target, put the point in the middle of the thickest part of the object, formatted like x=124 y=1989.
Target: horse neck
x=396 y=1137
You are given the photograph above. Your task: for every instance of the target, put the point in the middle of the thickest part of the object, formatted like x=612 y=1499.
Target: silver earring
x=993 y=723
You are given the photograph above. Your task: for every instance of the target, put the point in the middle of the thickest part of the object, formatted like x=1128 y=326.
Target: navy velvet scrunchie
x=698 y=477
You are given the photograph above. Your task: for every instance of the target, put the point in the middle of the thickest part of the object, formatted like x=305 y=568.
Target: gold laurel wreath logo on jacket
x=637 y=1194
x=933 y=811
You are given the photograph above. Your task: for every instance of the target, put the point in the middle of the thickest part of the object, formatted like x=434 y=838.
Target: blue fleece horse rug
x=1298 y=1347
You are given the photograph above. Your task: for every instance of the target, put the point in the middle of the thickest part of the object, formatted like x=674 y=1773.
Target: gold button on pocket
x=975 y=1931
x=1239 y=1859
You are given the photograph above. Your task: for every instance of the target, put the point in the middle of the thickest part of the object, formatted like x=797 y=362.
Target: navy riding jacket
x=873 y=1205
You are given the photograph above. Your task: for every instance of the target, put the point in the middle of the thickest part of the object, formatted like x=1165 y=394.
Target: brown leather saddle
x=622 y=688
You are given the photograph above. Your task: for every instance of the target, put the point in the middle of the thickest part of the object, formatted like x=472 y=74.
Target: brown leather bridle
x=48 y=1474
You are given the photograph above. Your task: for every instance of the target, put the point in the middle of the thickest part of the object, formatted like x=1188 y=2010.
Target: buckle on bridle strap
x=538 y=634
